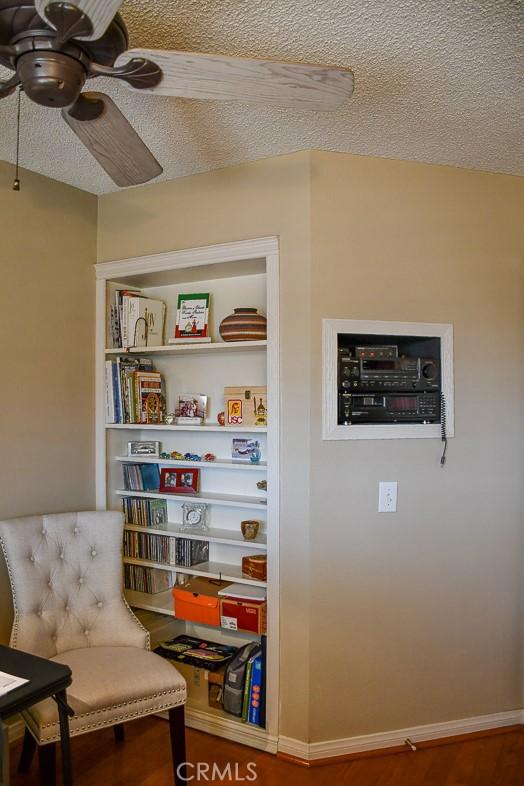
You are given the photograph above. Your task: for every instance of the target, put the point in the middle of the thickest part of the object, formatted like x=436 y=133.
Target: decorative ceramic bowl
x=245 y=324
x=250 y=529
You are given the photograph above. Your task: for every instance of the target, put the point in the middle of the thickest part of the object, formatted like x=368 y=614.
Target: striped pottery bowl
x=245 y=324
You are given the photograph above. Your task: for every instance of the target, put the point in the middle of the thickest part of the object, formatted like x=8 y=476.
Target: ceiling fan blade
x=216 y=77
x=113 y=141
x=99 y=12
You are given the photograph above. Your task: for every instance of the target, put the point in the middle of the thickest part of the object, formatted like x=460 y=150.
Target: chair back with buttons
x=66 y=579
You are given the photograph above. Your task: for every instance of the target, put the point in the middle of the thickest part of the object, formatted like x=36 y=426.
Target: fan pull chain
x=16 y=182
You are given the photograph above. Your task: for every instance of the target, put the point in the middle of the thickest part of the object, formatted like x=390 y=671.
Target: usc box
x=198 y=601
x=246 y=615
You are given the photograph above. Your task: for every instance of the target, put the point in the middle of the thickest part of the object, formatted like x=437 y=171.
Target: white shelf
x=212 y=570
x=206 y=427
x=218 y=464
x=227 y=500
x=161 y=602
x=211 y=348
x=223 y=536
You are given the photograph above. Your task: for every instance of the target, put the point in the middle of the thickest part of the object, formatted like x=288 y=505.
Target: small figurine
x=209 y=457
x=165 y=455
x=192 y=457
x=170 y=419
x=177 y=456
x=221 y=418
x=262 y=485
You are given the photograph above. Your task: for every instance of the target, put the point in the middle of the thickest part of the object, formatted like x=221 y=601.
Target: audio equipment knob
x=429 y=370
x=346 y=383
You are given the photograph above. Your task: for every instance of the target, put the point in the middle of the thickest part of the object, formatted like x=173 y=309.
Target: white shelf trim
x=220 y=463
x=197 y=349
x=212 y=570
x=223 y=536
x=229 y=501
x=205 y=427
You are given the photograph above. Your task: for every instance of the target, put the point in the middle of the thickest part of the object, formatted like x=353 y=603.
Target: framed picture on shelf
x=192 y=319
x=245 y=450
x=143 y=448
x=191 y=409
x=179 y=481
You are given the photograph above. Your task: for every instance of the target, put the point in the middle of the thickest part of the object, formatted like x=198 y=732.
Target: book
x=141 y=477
x=145 y=321
x=247 y=689
x=145 y=512
x=192 y=319
x=110 y=393
x=255 y=691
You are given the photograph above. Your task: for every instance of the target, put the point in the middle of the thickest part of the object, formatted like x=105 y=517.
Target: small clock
x=194 y=517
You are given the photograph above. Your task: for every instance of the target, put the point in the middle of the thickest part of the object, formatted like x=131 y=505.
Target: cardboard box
x=197 y=684
x=245 y=406
x=245 y=615
x=198 y=601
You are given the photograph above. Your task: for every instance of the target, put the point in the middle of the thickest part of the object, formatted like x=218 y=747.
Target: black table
x=46 y=679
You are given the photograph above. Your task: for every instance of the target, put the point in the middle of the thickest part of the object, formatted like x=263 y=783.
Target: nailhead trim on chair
x=74 y=732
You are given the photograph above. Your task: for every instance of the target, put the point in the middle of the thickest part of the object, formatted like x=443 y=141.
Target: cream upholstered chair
x=66 y=578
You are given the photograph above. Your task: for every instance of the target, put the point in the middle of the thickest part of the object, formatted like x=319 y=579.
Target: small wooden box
x=245 y=406
x=255 y=567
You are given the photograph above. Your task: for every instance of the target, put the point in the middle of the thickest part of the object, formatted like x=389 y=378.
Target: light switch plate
x=387 y=496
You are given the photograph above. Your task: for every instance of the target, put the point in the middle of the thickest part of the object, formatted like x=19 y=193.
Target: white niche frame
x=331 y=328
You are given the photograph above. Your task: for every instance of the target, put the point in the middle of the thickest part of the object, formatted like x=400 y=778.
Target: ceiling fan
x=55 y=47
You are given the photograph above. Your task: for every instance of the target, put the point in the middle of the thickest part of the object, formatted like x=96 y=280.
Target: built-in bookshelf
x=237 y=274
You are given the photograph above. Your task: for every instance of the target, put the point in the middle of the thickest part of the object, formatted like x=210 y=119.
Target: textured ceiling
x=436 y=81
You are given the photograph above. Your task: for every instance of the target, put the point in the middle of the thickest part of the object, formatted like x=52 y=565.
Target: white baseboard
x=391 y=739
x=232 y=730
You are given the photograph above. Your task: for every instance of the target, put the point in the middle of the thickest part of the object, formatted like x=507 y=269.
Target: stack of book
x=134 y=391
x=164 y=549
x=145 y=512
x=156 y=548
x=190 y=552
x=136 y=320
x=141 y=477
x=143 y=579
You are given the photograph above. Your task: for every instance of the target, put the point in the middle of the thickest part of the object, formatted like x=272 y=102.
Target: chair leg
x=47 y=764
x=119 y=732
x=177 y=731
x=28 y=752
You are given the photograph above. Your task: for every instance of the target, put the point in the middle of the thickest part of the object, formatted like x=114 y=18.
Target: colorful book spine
x=247 y=689
x=255 y=691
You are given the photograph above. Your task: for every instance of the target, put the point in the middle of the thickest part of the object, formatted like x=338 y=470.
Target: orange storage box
x=198 y=601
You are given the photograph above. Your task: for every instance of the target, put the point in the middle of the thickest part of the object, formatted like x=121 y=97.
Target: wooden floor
x=144 y=760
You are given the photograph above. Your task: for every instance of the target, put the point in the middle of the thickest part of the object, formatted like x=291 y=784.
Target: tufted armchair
x=66 y=579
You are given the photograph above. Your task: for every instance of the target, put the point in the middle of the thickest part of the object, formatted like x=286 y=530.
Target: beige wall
x=429 y=619
x=413 y=617
x=267 y=198
x=48 y=247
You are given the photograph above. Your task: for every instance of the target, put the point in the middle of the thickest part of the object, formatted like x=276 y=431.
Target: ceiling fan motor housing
x=51 y=78
x=52 y=72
